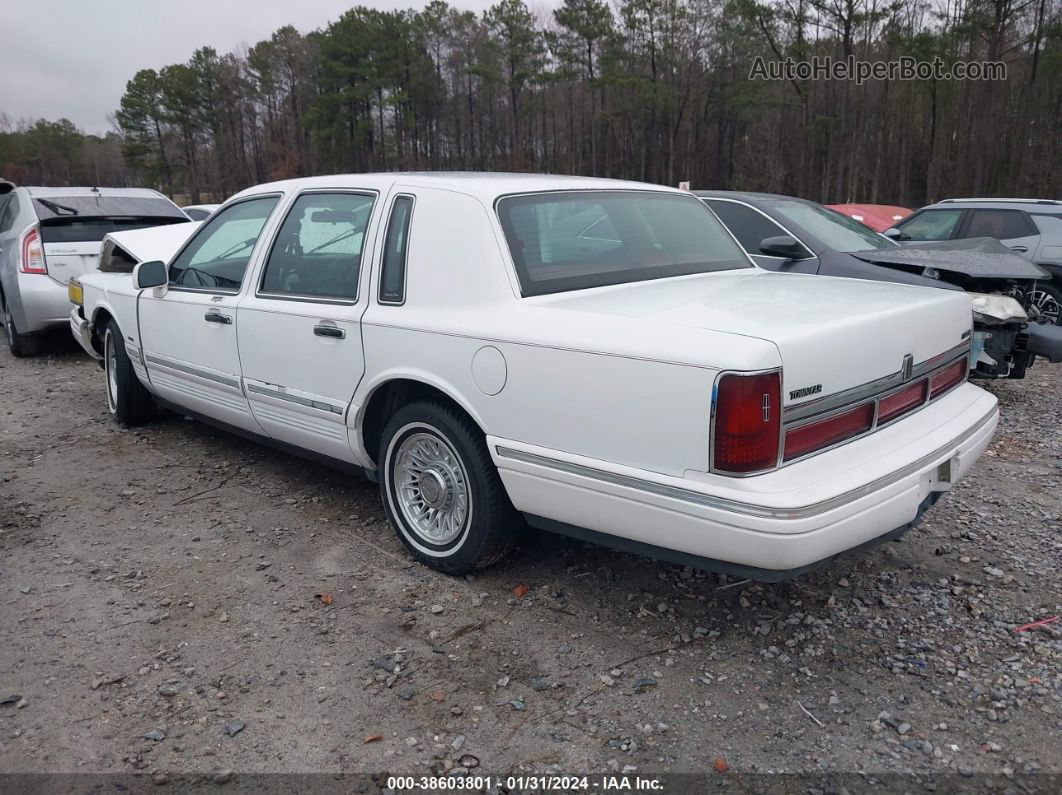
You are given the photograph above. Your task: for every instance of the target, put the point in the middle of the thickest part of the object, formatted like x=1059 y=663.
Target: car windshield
x=578 y=239
x=836 y=231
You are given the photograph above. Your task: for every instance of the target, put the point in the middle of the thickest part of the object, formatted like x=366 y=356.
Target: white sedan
x=592 y=357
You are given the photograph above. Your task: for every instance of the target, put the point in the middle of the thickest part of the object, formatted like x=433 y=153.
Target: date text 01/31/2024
x=524 y=783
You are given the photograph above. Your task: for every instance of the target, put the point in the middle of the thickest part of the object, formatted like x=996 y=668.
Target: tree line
x=655 y=90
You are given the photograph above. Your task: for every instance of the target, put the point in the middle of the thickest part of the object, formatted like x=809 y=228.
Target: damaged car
x=791 y=235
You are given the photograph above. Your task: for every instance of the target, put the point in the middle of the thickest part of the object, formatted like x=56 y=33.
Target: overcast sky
x=72 y=58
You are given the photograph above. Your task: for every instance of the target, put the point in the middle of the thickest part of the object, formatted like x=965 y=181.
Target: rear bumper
x=79 y=327
x=783 y=524
x=41 y=303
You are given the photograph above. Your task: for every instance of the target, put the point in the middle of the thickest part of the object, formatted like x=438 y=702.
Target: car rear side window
x=1000 y=224
x=317 y=253
x=393 y=272
x=573 y=240
x=216 y=257
x=749 y=226
x=930 y=225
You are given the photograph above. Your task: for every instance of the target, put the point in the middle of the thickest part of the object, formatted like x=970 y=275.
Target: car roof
x=744 y=195
x=1030 y=205
x=38 y=192
x=484 y=185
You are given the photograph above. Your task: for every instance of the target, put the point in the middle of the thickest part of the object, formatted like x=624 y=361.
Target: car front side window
x=930 y=225
x=317 y=252
x=217 y=257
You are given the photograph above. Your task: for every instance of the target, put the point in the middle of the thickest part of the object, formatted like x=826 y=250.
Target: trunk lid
x=832 y=334
x=66 y=260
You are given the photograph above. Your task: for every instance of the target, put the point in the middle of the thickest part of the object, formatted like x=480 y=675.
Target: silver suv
x=48 y=235
x=1031 y=227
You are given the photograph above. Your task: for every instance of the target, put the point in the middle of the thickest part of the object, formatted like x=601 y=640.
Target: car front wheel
x=441 y=490
x=127 y=399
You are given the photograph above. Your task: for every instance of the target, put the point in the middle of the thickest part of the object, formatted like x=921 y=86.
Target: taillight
x=947 y=378
x=899 y=403
x=824 y=433
x=32 y=253
x=748 y=412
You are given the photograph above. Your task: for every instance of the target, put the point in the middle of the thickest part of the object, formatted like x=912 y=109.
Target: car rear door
x=188 y=330
x=1012 y=228
x=299 y=327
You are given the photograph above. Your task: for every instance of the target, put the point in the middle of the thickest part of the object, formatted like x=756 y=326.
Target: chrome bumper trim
x=735 y=506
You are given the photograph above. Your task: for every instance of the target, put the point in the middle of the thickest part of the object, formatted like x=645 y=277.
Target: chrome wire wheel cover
x=111 y=357
x=431 y=488
x=1048 y=309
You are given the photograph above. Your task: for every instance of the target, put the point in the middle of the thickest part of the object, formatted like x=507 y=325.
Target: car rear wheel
x=441 y=490
x=127 y=400
x=20 y=344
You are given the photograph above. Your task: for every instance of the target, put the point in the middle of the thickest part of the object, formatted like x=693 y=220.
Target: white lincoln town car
x=591 y=357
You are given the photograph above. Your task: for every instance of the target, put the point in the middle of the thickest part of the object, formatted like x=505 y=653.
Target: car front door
x=188 y=329
x=299 y=328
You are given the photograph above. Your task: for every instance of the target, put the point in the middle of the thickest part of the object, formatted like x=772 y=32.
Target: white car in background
x=598 y=358
x=199 y=212
x=48 y=236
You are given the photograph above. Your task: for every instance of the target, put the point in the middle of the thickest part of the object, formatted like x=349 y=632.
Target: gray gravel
x=161 y=587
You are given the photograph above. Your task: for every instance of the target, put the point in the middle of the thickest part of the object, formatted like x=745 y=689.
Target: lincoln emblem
x=908 y=367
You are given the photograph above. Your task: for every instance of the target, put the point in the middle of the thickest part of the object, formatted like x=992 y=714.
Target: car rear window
x=80 y=230
x=105 y=207
x=573 y=240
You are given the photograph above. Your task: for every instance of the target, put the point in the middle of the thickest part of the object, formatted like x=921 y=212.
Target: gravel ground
x=176 y=600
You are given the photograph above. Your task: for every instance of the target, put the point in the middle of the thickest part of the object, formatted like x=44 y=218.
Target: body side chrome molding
x=735 y=506
x=320 y=405
x=183 y=368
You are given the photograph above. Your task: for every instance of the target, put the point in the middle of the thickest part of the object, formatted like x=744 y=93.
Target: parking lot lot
x=185 y=601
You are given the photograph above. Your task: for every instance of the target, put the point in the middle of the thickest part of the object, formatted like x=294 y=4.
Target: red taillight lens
x=748 y=411
x=817 y=435
x=32 y=253
x=947 y=378
x=899 y=403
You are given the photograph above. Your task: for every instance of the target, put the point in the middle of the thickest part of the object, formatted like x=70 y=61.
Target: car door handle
x=1022 y=249
x=217 y=317
x=329 y=331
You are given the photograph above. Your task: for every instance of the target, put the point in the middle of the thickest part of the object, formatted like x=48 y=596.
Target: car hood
x=977 y=257
x=155 y=242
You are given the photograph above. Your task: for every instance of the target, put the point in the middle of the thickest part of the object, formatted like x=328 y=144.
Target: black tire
x=491 y=526
x=20 y=344
x=127 y=400
x=1049 y=292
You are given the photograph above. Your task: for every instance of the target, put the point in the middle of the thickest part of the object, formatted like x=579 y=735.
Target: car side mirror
x=783 y=246
x=150 y=274
x=892 y=233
